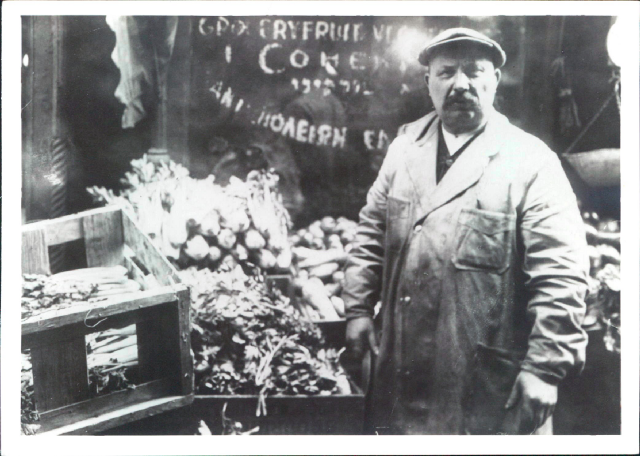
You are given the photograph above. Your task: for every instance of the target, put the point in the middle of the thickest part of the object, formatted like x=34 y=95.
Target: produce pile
x=195 y=222
x=41 y=293
x=603 y=300
x=248 y=340
x=320 y=251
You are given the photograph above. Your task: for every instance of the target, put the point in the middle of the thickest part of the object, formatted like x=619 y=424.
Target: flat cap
x=461 y=35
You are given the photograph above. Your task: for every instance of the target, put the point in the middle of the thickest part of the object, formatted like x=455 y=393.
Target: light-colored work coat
x=493 y=256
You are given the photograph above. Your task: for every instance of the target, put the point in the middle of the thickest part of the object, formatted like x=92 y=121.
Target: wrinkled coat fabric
x=495 y=254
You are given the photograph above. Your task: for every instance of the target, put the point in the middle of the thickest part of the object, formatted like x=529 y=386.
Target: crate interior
x=85 y=365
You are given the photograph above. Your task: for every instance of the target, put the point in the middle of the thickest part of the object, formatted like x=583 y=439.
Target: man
x=472 y=240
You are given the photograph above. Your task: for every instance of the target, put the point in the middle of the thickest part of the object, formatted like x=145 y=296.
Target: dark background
x=333 y=180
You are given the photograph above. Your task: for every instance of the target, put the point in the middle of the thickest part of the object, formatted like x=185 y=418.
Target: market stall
x=217 y=191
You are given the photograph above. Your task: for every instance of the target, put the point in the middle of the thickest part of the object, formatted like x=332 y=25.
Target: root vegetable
x=328 y=224
x=266 y=259
x=333 y=289
x=177 y=226
x=230 y=261
x=283 y=260
x=337 y=277
x=314 y=293
x=334 y=242
x=348 y=236
x=226 y=239
x=196 y=248
x=210 y=224
x=253 y=240
x=322 y=257
x=240 y=252
x=338 y=304
x=316 y=231
x=236 y=220
x=214 y=254
x=324 y=271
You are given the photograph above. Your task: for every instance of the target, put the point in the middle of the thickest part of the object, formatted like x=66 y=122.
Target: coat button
x=407 y=299
x=417 y=229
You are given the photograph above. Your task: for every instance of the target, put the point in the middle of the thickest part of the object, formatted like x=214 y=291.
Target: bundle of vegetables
x=320 y=251
x=247 y=340
x=603 y=300
x=195 y=222
x=41 y=293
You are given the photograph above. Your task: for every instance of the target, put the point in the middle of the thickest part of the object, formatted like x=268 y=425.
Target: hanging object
x=617 y=44
x=568 y=117
x=144 y=45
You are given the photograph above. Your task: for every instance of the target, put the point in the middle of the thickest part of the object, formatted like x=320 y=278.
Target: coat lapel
x=466 y=170
x=420 y=160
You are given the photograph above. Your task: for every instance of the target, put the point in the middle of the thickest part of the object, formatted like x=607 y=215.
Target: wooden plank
x=103 y=239
x=70 y=219
x=60 y=374
x=64 y=231
x=135 y=272
x=120 y=417
x=184 y=326
x=158 y=345
x=103 y=404
x=36 y=339
x=91 y=312
x=147 y=253
x=35 y=253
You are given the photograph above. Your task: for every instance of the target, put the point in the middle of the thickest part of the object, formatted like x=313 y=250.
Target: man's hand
x=360 y=337
x=535 y=398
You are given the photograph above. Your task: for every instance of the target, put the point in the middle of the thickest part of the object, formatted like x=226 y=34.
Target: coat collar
x=420 y=161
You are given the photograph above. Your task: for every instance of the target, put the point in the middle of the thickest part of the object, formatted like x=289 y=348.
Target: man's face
x=462 y=84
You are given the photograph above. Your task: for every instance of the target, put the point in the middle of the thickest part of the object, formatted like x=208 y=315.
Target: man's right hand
x=360 y=337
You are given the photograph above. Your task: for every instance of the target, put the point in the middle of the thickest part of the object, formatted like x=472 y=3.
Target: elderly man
x=472 y=240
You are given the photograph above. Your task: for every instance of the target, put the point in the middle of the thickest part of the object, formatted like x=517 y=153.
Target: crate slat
x=35 y=254
x=91 y=311
x=126 y=415
x=147 y=253
x=184 y=350
x=60 y=371
x=103 y=239
x=103 y=404
x=286 y=415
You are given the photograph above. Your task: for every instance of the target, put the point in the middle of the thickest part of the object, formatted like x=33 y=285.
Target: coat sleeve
x=363 y=271
x=556 y=265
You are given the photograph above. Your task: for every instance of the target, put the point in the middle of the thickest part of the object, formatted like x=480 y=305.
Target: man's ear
x=498 y=74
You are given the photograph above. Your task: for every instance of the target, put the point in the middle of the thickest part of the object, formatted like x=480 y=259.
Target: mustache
x=465 y=98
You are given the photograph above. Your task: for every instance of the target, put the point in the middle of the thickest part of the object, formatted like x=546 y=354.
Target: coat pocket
x=398 y=222
x=493 y=374
x=484 y=240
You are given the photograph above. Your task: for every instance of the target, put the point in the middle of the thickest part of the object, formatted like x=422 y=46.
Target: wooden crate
x=56 y=339
x=286 y=415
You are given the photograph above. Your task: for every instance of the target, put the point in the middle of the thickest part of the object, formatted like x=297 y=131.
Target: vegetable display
x=603 y=299
x=247 y=340
x=195 y=222
x=320 y=251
